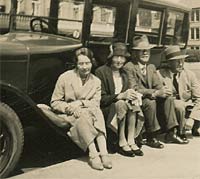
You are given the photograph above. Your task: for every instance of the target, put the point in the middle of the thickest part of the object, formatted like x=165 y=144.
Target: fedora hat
x=174 y=53
x=118 y=49
x=141 y=43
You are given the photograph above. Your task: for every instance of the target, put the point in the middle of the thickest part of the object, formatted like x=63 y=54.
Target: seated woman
x=120 y=105
x=77 y=96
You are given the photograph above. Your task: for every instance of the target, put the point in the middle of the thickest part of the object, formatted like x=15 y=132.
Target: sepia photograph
x=100 y=89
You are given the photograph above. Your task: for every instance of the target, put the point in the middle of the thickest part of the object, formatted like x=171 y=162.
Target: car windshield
x=64 y=18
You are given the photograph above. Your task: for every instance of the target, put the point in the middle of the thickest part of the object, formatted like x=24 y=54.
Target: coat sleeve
x=195 y=90
x=58 y=102
x=106 y=98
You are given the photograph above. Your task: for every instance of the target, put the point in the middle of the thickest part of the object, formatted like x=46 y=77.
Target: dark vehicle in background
x=38 y=41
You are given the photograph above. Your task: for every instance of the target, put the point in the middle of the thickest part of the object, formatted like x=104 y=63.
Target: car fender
x=23 y=96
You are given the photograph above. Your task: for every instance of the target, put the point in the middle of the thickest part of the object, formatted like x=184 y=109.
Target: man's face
x=142 y=55
x=176 y=66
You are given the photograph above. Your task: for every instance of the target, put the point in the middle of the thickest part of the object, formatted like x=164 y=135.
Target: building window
x=192 y=15
x=197 y=48
x=192 y=47
x=197 y=33
x=197 y=15
x=192 y=33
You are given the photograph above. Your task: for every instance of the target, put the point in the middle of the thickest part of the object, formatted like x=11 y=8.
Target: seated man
x=184 y=86
x=144 y=78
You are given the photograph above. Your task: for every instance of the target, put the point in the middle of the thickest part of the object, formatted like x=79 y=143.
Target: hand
x=73 y=110
x=163 y=93
x=77 y=112
x=72 y=107
x=129 y=94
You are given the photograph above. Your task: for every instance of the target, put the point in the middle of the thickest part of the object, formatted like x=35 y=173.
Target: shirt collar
x=141 y=65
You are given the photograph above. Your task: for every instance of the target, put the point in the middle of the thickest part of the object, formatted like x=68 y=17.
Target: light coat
x=189 y=88
x=69 y=88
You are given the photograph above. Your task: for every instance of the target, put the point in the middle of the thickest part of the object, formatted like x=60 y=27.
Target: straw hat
x=174 y=53
x=141 y=43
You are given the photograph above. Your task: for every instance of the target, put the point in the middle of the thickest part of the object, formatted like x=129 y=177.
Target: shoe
x=173 y=138
x=154 y=143
x=95 y=163
x=128 y=153
x=140 y=142
x=137 y=151
x=196 y=133
x=196 y=128
x=184 y=138
x=106 y=161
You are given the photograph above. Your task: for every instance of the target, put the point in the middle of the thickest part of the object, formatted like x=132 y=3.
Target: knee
x=149 y=104
x=121 y=105
x=180 y=107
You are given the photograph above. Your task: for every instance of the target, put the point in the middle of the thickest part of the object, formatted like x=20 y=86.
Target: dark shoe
x=137 y=151
x=154 y=143
x=196 y=133
x=173 y=138
x=128 y=153
x=184 y=138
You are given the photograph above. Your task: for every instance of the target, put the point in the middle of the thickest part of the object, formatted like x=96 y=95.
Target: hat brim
x=123 y=55
x=144 y=47
x=177 y=57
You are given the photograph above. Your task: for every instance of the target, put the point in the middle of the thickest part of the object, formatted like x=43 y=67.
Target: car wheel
x=11 y=139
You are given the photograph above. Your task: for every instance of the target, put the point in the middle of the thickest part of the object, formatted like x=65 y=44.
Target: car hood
x=35 y=43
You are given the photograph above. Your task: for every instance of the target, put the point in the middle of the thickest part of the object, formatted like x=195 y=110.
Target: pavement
x=173 y=162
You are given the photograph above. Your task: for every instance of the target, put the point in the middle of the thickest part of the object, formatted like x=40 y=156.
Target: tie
x=175 y=83
x=143 y=70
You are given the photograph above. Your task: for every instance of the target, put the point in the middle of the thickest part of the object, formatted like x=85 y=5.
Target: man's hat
x=174 y=53
x=118 y=49
x=141 y=43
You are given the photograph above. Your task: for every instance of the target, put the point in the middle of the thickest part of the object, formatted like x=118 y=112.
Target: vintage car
x=42 y=38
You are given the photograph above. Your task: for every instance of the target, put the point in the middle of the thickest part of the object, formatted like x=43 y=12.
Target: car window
x=5 y=7
x=148 y=22
x=174 y=33
x=26 y=10
x=70 y=17
x=103 y=21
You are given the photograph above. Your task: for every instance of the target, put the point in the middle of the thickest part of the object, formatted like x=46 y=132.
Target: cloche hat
x=118 y=49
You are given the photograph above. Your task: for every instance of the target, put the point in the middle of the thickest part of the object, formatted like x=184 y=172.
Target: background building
x=194 y=34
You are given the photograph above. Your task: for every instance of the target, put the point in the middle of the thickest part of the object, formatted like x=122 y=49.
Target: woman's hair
x=84 y=51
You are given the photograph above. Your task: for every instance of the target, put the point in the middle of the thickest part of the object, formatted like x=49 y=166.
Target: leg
x=131 y=120
x=151 y=122
x=149 y=110
x=170 y=114
x=95 y=160
x=101 y=141
x=171 y=121
x=180 y=114
x=121 y=111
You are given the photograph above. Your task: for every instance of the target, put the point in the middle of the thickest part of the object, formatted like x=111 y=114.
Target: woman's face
x=118 y=62
x=84 y=65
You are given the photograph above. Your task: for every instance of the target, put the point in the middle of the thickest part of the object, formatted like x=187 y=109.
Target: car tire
x=11 y=139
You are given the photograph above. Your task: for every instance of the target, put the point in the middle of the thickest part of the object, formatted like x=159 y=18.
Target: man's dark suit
x=147 y=85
